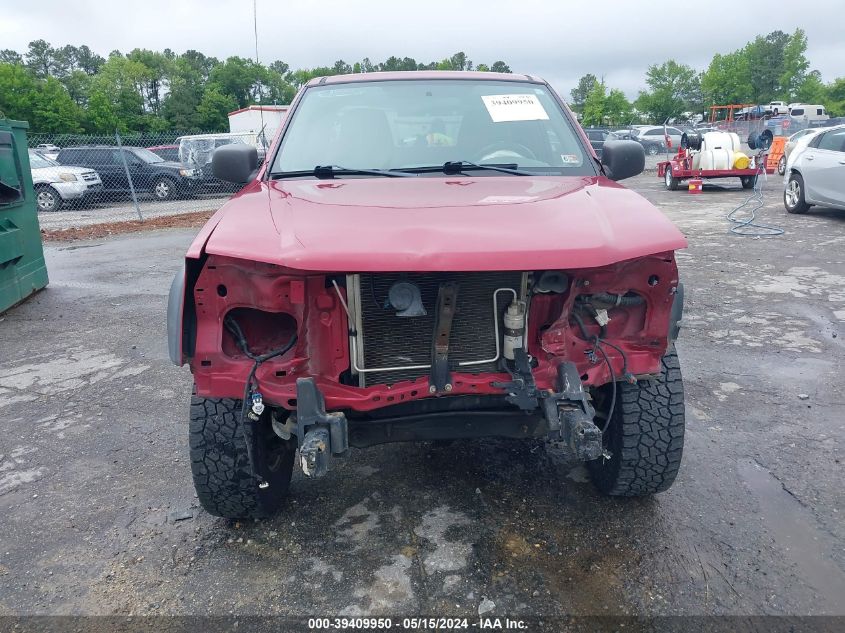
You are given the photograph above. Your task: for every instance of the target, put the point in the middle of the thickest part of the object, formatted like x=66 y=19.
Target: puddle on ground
x=795 y=532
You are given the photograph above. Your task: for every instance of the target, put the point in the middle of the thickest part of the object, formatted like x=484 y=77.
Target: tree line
x=71 y=89
x=771 y=67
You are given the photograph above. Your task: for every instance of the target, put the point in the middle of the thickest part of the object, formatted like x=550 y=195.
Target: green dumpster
x=22 y=267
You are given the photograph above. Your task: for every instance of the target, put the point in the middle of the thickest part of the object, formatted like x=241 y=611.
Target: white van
x=804 y=114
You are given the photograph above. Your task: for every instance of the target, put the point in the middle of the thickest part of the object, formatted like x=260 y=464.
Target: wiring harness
x=250 y=394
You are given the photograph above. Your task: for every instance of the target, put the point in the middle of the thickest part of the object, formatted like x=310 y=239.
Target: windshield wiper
x=459 y=166
x=331 y=171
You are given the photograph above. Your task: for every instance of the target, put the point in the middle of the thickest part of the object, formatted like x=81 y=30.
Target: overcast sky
x=559 y=40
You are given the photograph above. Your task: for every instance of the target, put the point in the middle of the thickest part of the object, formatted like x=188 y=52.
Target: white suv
x=56 y=184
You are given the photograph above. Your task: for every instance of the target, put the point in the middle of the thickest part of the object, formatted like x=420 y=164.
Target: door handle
x=811 y=157
x=842 y=162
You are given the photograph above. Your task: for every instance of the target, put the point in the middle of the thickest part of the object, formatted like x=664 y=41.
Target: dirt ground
x=107 y=229
x=98 y=515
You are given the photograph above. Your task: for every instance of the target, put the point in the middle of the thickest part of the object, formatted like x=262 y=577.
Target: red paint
x=428 y=224
x=273 y=244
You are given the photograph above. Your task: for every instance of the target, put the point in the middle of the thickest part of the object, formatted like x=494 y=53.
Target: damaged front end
x=370 y=358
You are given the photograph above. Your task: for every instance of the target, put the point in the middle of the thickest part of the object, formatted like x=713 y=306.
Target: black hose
x=613 y=300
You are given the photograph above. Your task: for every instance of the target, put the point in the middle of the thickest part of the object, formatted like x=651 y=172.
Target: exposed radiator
x=391 y=341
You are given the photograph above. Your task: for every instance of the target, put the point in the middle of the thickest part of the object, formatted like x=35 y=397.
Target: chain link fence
x=91 y=179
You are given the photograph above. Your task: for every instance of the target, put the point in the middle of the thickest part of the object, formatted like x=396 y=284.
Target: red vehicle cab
x=428 y=255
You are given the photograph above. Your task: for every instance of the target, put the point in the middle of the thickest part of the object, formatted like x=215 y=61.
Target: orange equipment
x=775 y=152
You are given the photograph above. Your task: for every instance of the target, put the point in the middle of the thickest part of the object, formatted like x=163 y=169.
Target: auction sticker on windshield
x=514 y=108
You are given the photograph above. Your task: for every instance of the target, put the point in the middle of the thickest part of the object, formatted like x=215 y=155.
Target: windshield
x=37 y=161
x=409 y=124
x=146 y=155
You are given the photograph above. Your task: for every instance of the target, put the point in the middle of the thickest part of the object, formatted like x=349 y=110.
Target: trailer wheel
x=748 y=182
x=670 y=180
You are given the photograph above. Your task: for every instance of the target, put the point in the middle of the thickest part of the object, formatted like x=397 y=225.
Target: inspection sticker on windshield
x=514 y=108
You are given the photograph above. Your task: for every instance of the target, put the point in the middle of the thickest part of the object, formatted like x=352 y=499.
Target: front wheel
x=220 y=465
x=164 y=189
x=48 y=199
x=645 y=436
x=653 y=150
x=793 y=195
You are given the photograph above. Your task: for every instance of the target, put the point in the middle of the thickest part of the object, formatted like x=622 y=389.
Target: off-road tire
x=645 y=437
x=220 y=465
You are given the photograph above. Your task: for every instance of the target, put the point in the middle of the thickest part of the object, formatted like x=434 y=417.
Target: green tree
x=500 y=67
x=580 y=92
x=594 y=104
x=766 y=65
x=42 y=102
x=213 y=110
x=836 y=97
x=40 y=58
x=795 y=64
x=675 y=88
x=812 y=89
x=8 y=56
x=617 y=108
x=727 y=79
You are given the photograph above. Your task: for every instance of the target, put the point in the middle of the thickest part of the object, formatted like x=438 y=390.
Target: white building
x=257 y=117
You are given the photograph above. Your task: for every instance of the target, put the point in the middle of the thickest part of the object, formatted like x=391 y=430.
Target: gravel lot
x=98 y=515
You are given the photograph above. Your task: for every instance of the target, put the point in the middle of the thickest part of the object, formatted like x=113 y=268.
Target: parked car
x=790 y=145
x=150 y=173
x=48 y=150
x=167 y=152
x=56 y=185
x=622 y=134
x=814 y=173
x=360 y=290
x=652 y=138
x=598 y=137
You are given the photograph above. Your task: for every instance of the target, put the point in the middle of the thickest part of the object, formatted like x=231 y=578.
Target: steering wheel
x=510 y=149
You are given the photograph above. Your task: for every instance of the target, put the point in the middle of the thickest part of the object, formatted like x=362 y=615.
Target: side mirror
x=622 y=159
x=234 y=163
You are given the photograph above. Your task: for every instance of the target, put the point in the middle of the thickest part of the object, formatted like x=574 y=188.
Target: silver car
x=815 y=173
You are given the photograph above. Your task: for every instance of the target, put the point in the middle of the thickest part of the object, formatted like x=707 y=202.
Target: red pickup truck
x=423 y=256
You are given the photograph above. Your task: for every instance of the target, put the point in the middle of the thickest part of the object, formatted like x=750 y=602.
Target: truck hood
x=435 y=223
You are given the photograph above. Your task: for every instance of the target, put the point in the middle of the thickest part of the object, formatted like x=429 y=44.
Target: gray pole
x=128 y=176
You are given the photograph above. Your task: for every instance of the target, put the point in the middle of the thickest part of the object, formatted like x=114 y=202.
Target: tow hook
x=320 y=434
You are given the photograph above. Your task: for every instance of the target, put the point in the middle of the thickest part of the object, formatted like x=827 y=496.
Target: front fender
x=175 y=316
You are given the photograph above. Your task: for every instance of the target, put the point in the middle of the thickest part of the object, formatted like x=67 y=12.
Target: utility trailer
x=679 y=168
